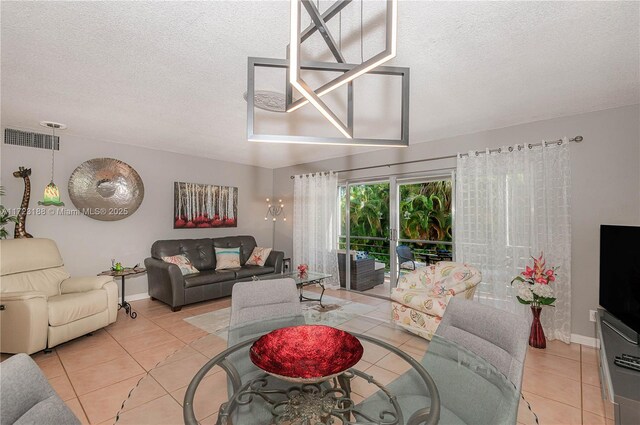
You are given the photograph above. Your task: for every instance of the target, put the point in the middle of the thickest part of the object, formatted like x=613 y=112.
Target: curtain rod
x=576 y=139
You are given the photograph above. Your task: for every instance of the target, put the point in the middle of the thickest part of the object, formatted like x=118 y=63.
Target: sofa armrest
x=411 y=280
x=275 y=260
x=84 y=283
x=462 y=279
x=166 y=282
x=462 y=291
x=461 y=287
x=24 y=322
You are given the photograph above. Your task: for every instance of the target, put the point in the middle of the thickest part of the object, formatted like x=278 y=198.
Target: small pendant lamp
x=51 y=191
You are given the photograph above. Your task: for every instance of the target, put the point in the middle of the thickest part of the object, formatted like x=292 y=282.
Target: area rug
x=335 y=312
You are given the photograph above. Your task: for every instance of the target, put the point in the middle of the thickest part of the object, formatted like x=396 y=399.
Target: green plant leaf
x=522 y=301
x=517 y=278
x=546 y=301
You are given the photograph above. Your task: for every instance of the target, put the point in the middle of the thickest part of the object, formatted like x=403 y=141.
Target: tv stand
x=619 y=332
x=620 y=386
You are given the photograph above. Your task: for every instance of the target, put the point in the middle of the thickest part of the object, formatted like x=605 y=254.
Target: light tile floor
x=148 y=362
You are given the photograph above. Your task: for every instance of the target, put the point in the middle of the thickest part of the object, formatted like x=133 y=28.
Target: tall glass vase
x=536 y=337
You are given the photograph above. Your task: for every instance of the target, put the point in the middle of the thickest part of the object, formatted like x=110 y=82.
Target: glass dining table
x=449 y=385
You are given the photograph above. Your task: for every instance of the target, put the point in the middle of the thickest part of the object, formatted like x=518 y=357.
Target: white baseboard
x=585 y=340
x=136 y=297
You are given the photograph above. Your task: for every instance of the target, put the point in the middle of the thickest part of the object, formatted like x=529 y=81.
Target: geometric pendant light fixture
x=51 y=192
x=294 y=62
x=347 y=73
x=387 y=54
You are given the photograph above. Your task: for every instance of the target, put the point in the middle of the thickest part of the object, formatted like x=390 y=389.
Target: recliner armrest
x=84 y=284
x=20 y=296
x=23 y=322
x=275 y=260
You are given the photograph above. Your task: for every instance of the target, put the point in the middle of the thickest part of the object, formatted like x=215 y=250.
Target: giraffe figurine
x=20 y=231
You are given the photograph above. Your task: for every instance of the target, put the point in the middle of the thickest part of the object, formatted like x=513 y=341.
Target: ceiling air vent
x=29 y=139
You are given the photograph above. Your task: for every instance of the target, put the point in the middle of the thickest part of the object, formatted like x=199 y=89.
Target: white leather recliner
x=41 y=305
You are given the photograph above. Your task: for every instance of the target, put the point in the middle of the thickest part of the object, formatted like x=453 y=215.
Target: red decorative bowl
x=308 y=353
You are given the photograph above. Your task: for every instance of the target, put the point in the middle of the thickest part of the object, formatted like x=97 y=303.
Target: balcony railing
x=378 y=248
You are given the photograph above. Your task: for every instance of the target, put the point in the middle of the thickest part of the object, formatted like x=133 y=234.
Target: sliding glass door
x=424 y=222
x=378 y=216
x=366 y=238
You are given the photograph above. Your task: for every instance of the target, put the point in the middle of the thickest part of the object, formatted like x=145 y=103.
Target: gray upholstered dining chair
x=258 y=307
x=264 y=299
x=27 y=397
x=476 y=359
x=497 y=336
x=256 y=302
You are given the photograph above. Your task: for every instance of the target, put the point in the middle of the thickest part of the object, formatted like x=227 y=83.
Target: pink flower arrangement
x=302 y=269
x=533 y=283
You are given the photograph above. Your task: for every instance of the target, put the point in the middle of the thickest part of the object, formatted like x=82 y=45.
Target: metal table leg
x=127 y=307
x=304 y=298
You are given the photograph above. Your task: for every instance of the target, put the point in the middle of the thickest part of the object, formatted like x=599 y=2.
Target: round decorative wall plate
x=307 y=353
x=106 y=189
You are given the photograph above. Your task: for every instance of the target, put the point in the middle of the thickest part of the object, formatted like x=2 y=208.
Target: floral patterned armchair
x=421 y=297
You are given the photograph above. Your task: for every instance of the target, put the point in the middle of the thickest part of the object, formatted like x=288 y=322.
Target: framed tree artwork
x=204 y=206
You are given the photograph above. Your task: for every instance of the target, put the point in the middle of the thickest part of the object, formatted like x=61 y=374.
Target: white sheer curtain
x=512 y=205
x=315 y=224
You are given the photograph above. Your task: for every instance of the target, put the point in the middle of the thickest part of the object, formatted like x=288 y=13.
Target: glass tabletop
x=309 y=277
x=127 y=271
x=449 y=384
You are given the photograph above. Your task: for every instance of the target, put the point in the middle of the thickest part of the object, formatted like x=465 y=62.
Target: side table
x=128 y=271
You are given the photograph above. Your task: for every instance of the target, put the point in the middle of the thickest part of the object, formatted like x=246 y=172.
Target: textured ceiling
x=171 y=75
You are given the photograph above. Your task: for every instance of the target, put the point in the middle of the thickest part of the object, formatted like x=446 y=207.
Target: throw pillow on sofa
x=227 y=258
x=259 y=256
x=182 y=262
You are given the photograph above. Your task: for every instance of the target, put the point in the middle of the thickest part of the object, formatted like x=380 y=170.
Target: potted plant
x=5 y=218
x=534 y=290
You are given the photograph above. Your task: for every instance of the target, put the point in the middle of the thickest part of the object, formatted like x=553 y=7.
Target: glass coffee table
x=309 y=278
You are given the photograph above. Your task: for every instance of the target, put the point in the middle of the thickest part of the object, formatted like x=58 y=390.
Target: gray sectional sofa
x=167 y=284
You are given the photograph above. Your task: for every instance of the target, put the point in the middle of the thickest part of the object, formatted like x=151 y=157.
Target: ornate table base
x=135 y=271
x=317 y=282
x=326 y=402
x=124 y=304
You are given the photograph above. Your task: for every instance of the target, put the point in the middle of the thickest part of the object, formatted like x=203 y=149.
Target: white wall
x=87 y=245
x=605 y=172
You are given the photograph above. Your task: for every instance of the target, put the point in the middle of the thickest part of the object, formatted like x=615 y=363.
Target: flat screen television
x=620 y=273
